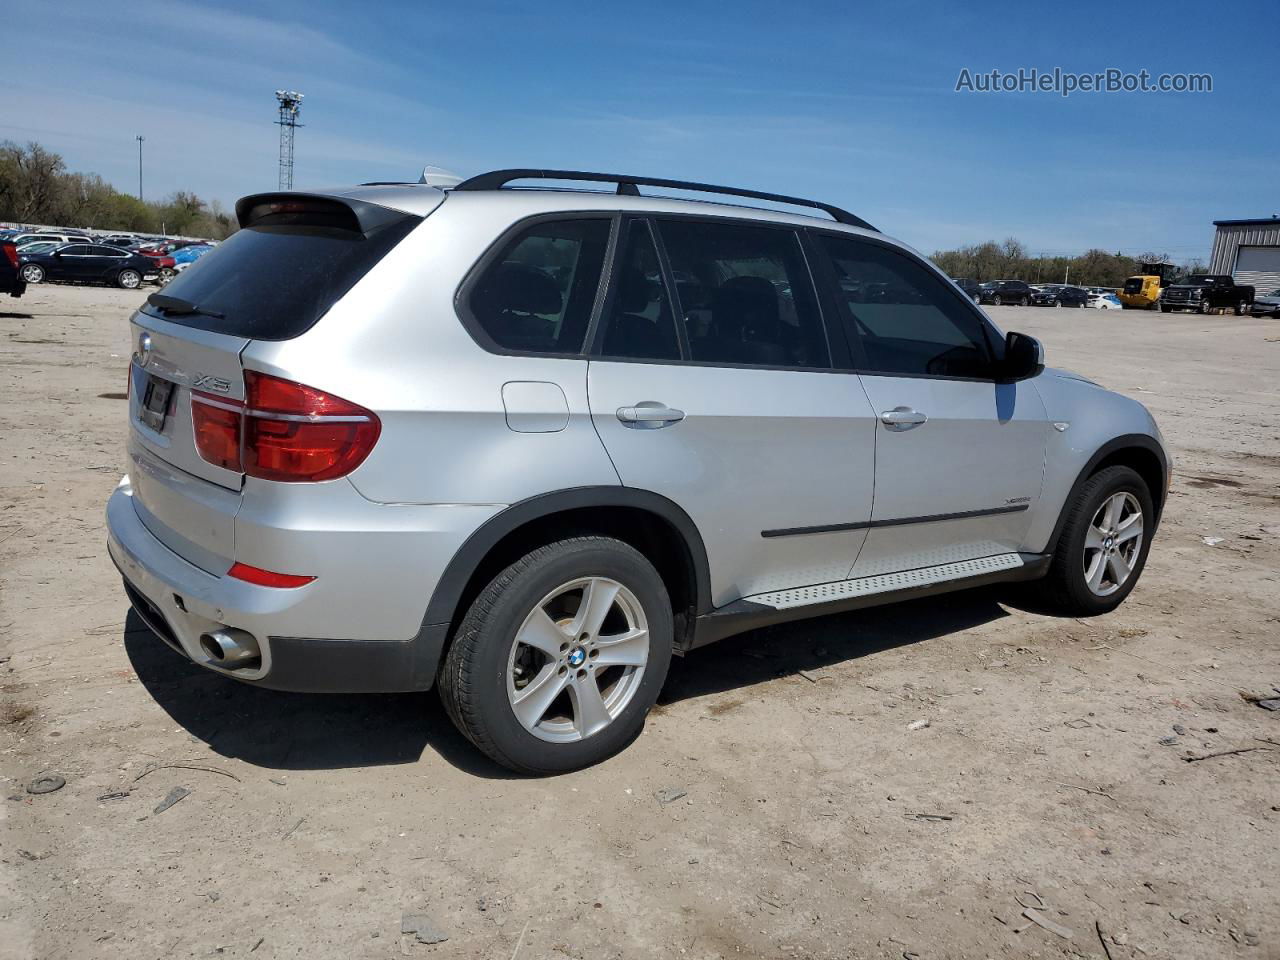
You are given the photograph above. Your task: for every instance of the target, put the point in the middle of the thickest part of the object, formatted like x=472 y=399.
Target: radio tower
x=290 y=105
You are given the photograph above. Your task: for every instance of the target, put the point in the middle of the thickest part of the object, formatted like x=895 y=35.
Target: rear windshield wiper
x=178 y=306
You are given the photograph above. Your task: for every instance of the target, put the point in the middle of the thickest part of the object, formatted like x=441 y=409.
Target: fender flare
x=1123 y=442
x=445 y=598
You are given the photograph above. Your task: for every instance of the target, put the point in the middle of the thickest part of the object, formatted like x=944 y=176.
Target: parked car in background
x=587 y=518
x=21 y=238
x=1105 y=301
x=1060 y=296
x=1007 y=292
x=971 y=288
x=1268 y=305
x=185 y=256
x=38 y=246
x=11 y=281
x=88 y=263
x=1207 y=291
x=1141 y=292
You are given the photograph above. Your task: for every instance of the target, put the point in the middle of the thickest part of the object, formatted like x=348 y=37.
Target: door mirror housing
x=1023 y=358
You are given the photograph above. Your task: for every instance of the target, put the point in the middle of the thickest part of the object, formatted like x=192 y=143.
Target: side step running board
x=779 y=606
x=885 y=582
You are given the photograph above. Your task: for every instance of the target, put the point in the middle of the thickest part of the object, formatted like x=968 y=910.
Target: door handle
x=649 y=415
x=902 y=418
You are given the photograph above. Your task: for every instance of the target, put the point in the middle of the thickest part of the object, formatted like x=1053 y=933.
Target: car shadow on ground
x=16 y=316
x=812 y=645
x=300 y=731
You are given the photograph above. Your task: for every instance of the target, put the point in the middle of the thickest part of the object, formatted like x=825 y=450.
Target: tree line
x=37 y=188
x=1011 y=261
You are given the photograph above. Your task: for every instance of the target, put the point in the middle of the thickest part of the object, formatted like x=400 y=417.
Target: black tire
x=128 y=279
x=32 y=273
x=1063 y=588
x=1164 y=309
x=1205 y=307
x=996 y=301
x=1240 y=309
x=1025 y=302
x=473 y=677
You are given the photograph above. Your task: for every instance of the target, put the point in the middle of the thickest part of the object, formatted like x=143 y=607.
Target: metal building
x=1249 y=250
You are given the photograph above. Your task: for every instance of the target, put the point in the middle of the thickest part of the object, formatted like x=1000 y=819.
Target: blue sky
x=853 y=103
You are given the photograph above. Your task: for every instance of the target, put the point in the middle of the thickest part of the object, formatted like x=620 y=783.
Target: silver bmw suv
x=523 y=445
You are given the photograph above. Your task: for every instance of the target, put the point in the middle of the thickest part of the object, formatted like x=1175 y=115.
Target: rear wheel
x=561 y=656
x=1240 y=309
x=33 y=273
x=996 y=301
x=128 y=279
x=1103 y=546
x=1025 y=302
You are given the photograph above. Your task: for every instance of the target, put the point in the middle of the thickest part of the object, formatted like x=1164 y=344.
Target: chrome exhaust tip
x=231 y=648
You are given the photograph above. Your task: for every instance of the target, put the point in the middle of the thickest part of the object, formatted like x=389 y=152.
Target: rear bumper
x=180 y=602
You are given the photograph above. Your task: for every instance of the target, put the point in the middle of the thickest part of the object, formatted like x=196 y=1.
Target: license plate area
x=157 y=395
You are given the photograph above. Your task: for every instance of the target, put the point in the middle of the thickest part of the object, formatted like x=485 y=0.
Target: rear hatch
x=295 y=256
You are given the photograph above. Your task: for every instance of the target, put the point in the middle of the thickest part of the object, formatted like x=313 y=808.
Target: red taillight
x=10 y=253
x=215 y=423
x=284 y=431
x=265 y=578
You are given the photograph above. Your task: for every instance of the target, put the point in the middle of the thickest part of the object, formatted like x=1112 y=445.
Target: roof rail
x=497 y=179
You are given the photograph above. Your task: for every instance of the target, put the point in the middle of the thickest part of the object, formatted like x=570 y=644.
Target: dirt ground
x=1055 y=757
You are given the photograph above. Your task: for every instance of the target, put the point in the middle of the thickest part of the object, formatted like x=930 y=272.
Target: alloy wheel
x=1113 y=543
x=32 y=273
x=577 y=660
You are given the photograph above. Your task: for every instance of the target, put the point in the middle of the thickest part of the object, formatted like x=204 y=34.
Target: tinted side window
x=745 y=294
x=536 y=296
x=639 y=323
x=75 y=250
x=101 y=251
x=907 y=319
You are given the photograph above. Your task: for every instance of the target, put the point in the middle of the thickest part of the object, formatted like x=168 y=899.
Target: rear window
x=274 y=282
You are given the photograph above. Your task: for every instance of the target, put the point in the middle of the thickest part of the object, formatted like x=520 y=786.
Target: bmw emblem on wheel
x=144 y=349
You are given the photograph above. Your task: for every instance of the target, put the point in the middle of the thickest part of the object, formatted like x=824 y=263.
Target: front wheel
x=561 y=656
x=1205 y=307
x=33 y=273
x=1103 y=546
x=1164 y=309
x=128 y=279
x=996 y=301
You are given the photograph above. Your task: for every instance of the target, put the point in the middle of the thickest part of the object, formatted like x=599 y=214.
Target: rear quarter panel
x=395 y=344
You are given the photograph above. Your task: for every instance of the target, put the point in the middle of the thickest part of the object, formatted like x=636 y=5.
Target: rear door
x=712 y=383
x=959 y=457
x=272 y=280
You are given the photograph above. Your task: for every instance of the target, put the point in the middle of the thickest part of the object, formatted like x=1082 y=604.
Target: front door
x=959 y=457
x=733 y=411
x=73 y=262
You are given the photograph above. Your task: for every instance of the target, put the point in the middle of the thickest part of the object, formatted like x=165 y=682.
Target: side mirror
x=1023 y=358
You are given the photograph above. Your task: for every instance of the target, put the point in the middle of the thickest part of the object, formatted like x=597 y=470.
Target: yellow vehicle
x=1142 y=292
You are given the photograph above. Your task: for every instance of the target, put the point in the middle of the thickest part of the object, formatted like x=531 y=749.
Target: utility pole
x=140 y=138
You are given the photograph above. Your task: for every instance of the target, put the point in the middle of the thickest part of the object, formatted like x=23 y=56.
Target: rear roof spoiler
x=627 y=185
x=359 y=216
